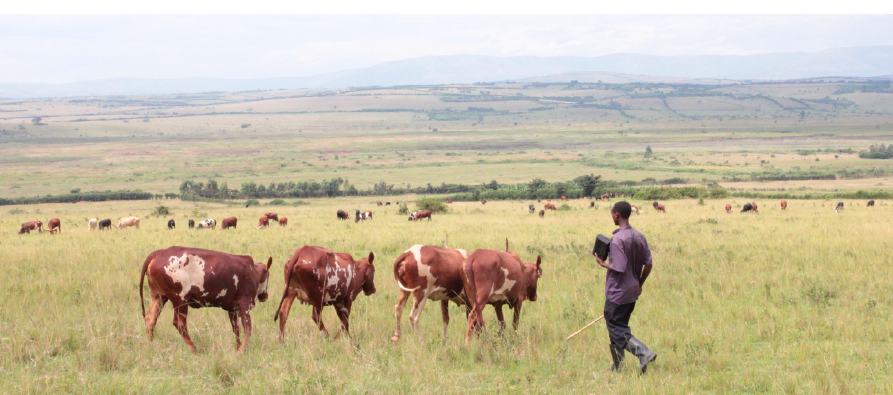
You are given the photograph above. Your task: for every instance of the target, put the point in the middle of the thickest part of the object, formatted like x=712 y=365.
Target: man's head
x=621 y=211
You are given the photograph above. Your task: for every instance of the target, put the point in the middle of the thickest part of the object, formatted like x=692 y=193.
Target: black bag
x=602 y=247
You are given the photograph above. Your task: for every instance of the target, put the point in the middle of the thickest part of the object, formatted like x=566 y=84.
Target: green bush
x=161 y=211
x=403 y=210
x=564 y=207
x=277 y=202
x=434 y=204
x=252 y=202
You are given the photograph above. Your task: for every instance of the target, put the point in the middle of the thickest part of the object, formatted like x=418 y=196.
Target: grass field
x=793 y=301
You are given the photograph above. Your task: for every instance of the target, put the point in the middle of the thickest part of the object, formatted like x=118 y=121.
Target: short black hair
x=623 y=208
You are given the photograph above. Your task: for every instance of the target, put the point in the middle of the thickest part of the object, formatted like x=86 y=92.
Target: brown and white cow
x=209 y=223
x=635 y=209
x=420 y=214
x=784 y=204
x=429 y=272
x=54 y=225
x=272 y=216
x=728 y=208
x=263 y=222
x=91 y=225
x=319 y=277
x=193 y=277
x=27 y=227
x=127 y=222
x=498 y=278
x=550 y=206
x=483 y=201
x=283 y=221
x=230 y=222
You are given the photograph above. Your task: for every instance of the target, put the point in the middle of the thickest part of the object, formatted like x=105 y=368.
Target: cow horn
x=506 y=244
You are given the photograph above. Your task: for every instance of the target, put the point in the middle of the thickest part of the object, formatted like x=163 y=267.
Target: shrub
x=277 y=202
x=434 y=204
x=564 y=207
x=403 y=210
x=252 y=202
x=161 y=211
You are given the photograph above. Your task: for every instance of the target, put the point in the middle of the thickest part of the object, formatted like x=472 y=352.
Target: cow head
x=366 y=272
x=264 y=275
x=532 y=273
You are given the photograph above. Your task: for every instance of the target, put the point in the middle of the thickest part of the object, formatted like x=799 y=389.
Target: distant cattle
x=319 y=277
x=531 y=208
x=747 y=208
x=871 y=203
x=283 y=221
x=655 y=204
x=54 y=225
x=191 y=224
x=92 y=224
x=127 y=222
x=171 y=224
x=387 y=203
x=357 y=217
x=448 y=201
x=379 y=204
x=784 y=204
x=429 y=272
x=342 y=215
x=420 y=214
x=542 y=213
x=483 y=201
x=591 y=204
x=27 y=227
x=263 y=222
x=230 y=222
x=550 y=206
x=635 y=209
x=728 y=208
x=498 y=278
x=364 y=215
x=755 y=209
x=563 y=198
x=105 y=224
x=838 y=207
x=193 y=277
x=209 y=223
x=661 y=208
x=604 y=197
x=272 y=216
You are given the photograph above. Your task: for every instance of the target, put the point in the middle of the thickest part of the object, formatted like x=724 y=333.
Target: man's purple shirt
x=629 y=253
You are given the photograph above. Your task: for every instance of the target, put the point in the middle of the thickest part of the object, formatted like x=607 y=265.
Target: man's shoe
x=641 y=351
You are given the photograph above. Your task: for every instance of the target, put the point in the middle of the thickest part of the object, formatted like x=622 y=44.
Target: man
x=630 y=265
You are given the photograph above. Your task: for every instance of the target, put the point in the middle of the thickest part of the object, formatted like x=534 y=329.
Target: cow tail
x=470 y=290
x=289 y=268
x=142 y=278
x=397 y=266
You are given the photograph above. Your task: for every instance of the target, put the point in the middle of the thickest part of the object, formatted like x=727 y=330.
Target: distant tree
x=588 y=182
x=36 y=120
x=535 y=184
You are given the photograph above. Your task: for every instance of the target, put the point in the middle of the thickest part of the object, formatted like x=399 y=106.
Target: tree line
x=877 y=151
x=79 y=197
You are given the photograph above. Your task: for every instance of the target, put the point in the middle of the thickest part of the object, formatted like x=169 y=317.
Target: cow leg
x=499 y=318
x=517 y=318
x=283 y=313
x=445 y=313
x=475 y=317
x=180 y=313
x=151 y=317
x=398 y=313
x=234 y=321
x=415 y=314
x=343 y=313
x=246 y=323
x=317 y=318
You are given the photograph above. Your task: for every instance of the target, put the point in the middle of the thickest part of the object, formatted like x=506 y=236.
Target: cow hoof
x=395 y=338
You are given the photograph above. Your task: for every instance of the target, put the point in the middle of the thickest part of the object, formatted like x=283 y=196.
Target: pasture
x=794 y=301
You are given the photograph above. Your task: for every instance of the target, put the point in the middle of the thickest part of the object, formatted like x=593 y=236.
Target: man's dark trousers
x=617 y=320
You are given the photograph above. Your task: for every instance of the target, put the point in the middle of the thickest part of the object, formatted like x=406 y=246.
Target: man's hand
x=601 y=262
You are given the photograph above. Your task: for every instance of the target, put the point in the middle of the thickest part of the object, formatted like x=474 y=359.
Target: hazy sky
x=59 y=49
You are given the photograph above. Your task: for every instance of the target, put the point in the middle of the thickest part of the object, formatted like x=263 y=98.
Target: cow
x=655 y=204
x=357 y=217
x=483 y=201
x=379 y=204
x=498 y=278
x=387 y=203
x=319 y=277
x=193 y=277
x=542 y=213
x=127 y=222
x=230 y=222
x=563 y=198
x=272 y=216
x=591 y=204
x=870 y=203
x=342 y=215
x=171 y=224
x=728 y=208
x=364 y=215
x=784 y=204
x=661 y=208
x=54 y=225
x=421 y=214
x=27 y=227
x=429 y=272
x=91 y=225
x=283 y=221
x=635 y=209
x=448 y=201
x=838 y=207
x=105 y=224
x=263 y=222
x=755 y=209
x=550 y=206
x=209 y=223
x=747 y=208
x=191 y=224
x=604 y=197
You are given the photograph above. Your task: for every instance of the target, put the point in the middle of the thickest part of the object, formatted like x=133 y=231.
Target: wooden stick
x=584 y=328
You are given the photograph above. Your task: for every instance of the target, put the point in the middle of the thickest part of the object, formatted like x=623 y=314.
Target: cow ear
x=269 y=263
x=371 y=257
x=538 y=261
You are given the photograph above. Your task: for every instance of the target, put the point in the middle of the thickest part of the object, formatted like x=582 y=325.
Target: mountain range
x=870 y=61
